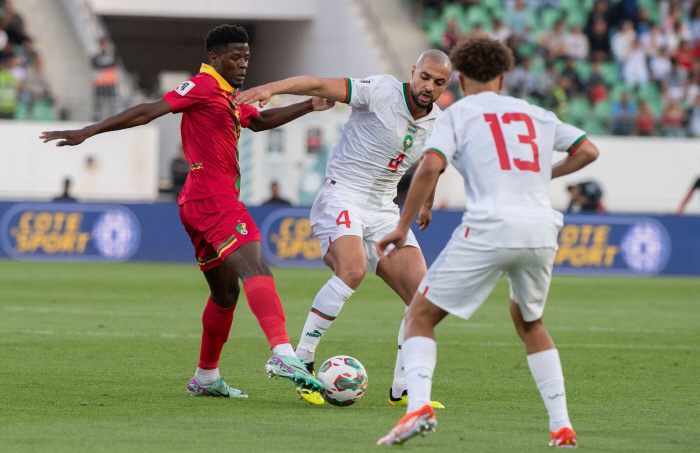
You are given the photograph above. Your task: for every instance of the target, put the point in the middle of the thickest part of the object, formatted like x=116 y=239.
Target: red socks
x=266 y=306
x=216 y=321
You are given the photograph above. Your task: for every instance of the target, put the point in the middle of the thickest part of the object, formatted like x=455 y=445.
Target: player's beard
x=416 y=99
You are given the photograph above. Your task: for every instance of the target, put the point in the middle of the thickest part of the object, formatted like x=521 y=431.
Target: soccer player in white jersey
x=384 y=136
x=503 y=147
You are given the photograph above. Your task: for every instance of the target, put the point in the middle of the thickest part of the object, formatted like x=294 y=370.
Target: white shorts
x=335 y=214
x=464 y=275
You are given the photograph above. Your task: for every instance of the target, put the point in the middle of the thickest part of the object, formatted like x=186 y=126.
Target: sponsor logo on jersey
x=184 y=88
x=69 y=232
x=412 y=130
x=365 y=81
x=407 y=142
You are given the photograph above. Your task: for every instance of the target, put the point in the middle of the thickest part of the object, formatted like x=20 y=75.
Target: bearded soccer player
x=226 y=240
x=503 y=147
x=384 y=136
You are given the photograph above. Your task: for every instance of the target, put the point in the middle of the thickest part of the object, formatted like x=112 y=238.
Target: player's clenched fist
x=69 y=138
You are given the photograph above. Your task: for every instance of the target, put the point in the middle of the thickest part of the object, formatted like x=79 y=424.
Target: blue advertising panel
x=78 y=232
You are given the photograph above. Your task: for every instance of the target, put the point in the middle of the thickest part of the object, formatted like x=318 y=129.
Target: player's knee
x=352 y=275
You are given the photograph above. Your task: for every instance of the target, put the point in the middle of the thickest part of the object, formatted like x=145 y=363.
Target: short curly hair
x=223 y=35
x=482 y=59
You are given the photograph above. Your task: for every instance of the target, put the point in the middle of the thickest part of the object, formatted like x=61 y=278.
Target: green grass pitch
x=96 y=357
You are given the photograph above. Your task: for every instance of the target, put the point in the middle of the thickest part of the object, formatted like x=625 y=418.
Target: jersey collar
x=409 y=102
x=223 y=84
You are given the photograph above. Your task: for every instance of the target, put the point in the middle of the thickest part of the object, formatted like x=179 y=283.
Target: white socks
x=545 y=367
x=205 y=377
x=399 y=384
x=419 y=355
x=283 y=350
x=327 y=305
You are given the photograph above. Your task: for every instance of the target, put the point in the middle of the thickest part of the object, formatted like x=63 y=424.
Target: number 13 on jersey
x=529 y=139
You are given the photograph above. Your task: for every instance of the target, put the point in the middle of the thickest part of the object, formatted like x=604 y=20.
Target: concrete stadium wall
x=117 y=166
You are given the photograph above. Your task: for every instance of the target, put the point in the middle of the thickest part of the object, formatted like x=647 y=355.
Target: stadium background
x=626 y=71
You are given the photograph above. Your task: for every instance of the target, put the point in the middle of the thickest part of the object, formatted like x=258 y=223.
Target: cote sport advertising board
x=632 y=245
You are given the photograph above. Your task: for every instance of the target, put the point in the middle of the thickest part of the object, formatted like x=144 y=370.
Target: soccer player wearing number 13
x=384 y=136
x=503 y=147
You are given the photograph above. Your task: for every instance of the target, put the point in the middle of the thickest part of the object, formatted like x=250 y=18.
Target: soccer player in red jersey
x=226 y=240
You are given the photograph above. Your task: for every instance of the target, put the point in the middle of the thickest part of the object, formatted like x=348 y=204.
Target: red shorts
x=217 y=226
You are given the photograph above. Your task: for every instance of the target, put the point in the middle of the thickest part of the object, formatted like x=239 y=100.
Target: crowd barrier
x=85 y=232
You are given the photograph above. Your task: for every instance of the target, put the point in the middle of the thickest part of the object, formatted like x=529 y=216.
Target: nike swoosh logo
x=424 y=376
x=555 y=396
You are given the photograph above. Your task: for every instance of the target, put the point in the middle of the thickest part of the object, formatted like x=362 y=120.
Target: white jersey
x=380 y=141
x=503 y=146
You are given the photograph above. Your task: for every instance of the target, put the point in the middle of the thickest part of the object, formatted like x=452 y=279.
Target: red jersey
x=211 y=125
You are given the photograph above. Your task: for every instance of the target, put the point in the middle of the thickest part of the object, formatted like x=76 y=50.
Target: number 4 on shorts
x=343 y=219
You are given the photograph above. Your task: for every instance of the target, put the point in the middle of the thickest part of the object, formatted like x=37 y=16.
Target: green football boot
x=291 y=368
x=216 y=388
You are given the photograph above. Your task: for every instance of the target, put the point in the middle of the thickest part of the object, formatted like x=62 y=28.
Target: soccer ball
x=344 y=380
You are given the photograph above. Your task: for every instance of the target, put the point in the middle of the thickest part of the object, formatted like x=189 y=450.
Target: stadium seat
x=43 y=111
x=603 y=110
x=584 y=70
x=593 y=126
x=548 y=17
x=21 y=113
x=579 y=108
x=608 y=71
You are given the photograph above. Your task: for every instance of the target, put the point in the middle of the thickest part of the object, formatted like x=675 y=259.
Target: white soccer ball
x=344 y=380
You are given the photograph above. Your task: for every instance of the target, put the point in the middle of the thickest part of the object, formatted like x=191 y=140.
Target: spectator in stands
x=585 y=197
x=643 y=25
x=660 y=66
x=499 y=32
x=693 y=89
x=275 y=198
x=599 y=41
x=623 y=11
x=676 y=81
x=672 y=120
x=694 y=125
x=518 y=16
x=13 y=24
x=684 y=55
x=105 y=81
x=66 y=197
x=450 y=36
x=599 y=12
x=554 y=41
x=653 y=41
x=577 y=44
x=622 y=40
x=35 y=89
x=645 y=120
x=675 y=14
x=688 y=196
x=634 y=66
x=577 y=85
x=694 y=22
x=522 y=80
x=624 y=113
x=680 y=33
x=596 y=85
x=547 y=81
x=9 y=91
x=179 y=169
x=558 y=99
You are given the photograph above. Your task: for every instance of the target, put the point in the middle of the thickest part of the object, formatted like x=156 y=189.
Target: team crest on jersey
x=241 y=228
x=407 y=142
x=184 y=88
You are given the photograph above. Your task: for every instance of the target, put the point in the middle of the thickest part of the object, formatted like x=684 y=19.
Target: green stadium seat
x=576 y=17
x=617 y=89
x=477 y=15
x=648 y=92
x=43 y=111
x=609 y=73
x=495 y=6
x=429 y=15
x=584 y=70
x=593 y=126
x=603 y=110
x=579 y=108
x=435 y=31
x=656 y=107
x=548 y=17
x=559 y=65
x=525 y=50
x=21 y=113
x=452 y=11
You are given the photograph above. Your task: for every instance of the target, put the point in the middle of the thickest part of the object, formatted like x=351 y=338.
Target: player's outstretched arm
x=270 y=119
x=135 y=116
x=424 y=180
x=331 y=89
x=575 y=161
